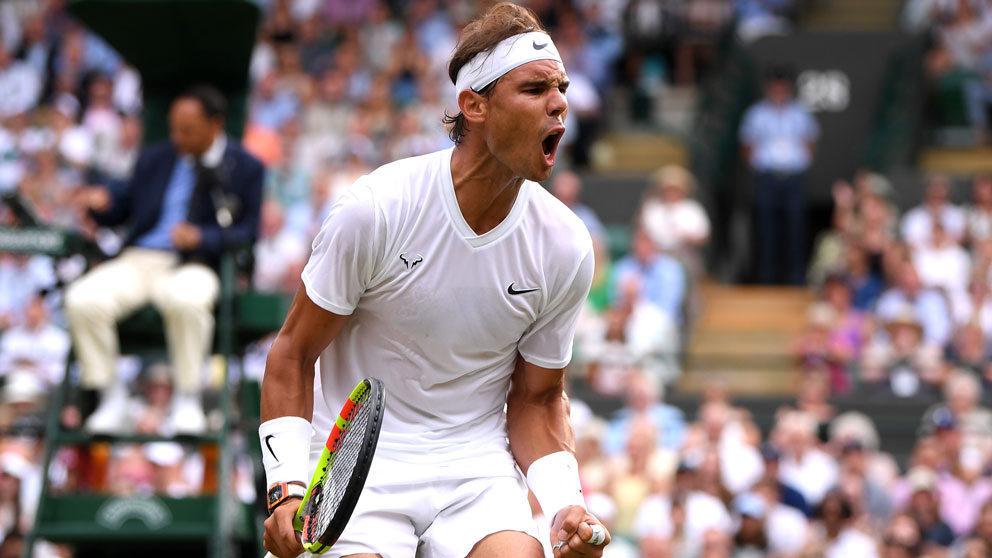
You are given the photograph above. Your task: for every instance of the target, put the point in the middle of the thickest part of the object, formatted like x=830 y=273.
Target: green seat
x=618 y=239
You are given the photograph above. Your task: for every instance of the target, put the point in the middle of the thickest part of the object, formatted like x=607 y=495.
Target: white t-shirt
x=917 y=224
x=947 y=267
x=813 y=476
x=44 y=350
x=670 y=225
x=439 y=313
x=702 y=512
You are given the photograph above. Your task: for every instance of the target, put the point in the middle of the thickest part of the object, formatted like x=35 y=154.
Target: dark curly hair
x=501 y=21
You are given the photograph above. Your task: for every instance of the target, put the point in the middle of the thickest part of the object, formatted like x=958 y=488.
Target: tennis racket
x=342 y=469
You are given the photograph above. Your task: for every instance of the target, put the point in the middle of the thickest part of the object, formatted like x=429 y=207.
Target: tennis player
x=457 y=280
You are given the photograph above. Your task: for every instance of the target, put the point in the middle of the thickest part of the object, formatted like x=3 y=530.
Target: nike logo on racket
x=513 y=291
x=270 y=447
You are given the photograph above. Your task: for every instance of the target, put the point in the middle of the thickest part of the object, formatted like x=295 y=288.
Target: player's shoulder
x=563 y=229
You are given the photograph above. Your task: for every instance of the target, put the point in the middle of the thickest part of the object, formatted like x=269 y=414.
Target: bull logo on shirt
x=410 y=260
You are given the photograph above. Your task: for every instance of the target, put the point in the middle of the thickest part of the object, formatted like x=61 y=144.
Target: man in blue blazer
x=188 y=200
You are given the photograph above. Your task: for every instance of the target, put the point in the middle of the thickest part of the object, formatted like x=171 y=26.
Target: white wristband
x=554 y=479
x=285 y=449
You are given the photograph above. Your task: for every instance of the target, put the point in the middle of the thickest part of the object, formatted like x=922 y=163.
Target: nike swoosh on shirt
x=270 y=447
x=513 y=291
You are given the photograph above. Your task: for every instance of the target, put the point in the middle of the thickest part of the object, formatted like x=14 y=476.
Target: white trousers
x=183 y=293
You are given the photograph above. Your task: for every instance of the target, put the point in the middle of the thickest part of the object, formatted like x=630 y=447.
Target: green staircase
x=214 y=523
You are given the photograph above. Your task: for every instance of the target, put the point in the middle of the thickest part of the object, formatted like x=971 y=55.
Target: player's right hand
x=573 y=527
x=280 y=538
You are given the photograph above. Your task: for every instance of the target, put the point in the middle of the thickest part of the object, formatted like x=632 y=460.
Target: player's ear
x=473 y=106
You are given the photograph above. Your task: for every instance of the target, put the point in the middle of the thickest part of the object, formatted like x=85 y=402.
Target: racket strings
x=332 y=492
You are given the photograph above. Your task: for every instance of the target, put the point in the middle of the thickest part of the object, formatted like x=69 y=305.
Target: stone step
x=744 y=337
x=637 y=152
x=956 y=161
x=853 y=15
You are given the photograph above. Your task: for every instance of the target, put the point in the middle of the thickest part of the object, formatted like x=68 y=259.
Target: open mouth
x=550 y=143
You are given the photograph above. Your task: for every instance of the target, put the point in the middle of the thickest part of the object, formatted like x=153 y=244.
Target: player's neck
x=484 y=187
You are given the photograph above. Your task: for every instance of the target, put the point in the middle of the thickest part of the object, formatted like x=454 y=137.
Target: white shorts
x=428 y=510
x=440 y=519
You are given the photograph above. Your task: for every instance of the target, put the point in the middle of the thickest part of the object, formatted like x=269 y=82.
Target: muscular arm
x=538 y=424
x=537 y=414
x=287 y=387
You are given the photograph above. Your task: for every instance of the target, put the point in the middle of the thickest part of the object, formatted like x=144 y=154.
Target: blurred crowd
x=959 y=62
x=817 y=485
x=904 y=300
x=338 y=87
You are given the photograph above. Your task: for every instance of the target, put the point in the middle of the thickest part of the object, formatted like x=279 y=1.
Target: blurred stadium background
x=725 y=404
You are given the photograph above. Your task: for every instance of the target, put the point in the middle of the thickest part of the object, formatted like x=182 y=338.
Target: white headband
x=488 y=66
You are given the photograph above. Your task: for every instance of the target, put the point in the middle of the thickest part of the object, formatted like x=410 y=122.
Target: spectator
x=836 y=536
x=650 y=276
x=943 y=265
x=820 y=348
x=149 y=412
x=961 y=405
x=636 y=473
x=567 y=187
x=21 y=277
x=975 y=307
x=772 y=486
x=930 y=307
x=685 y=516
x=964 y=489
x=969 y=351
x=901 y=362
x=902 y=538
x=979 y=542
x=676 y=223
x=171 y=254
x=757 y=18
x=923 y=508
x=918 y=223
x=854 y=463
x=37 y=345
x=20 y=85
x=641 y=327
x=851 y=329
x=280 y=252
x=866 y=283
x=960 y=61
x=803 y=465
x=643 y=399
x=779 y=136
x=979 y=213
x=786 y=527
x=750 y=540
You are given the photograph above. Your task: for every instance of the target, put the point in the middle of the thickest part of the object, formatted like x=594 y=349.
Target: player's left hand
x=573 y=526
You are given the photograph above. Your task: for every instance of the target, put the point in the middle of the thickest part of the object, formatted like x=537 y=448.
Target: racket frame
x=327 y=458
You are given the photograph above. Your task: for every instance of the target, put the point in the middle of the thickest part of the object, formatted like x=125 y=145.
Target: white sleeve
x=343 y=259
x=548 y=341
x=694 y=220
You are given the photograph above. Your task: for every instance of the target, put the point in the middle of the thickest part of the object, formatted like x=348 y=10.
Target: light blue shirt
x=662 y=281
x=175 y=206
x=667 y=420
x=779 y=136
x=931 y=310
